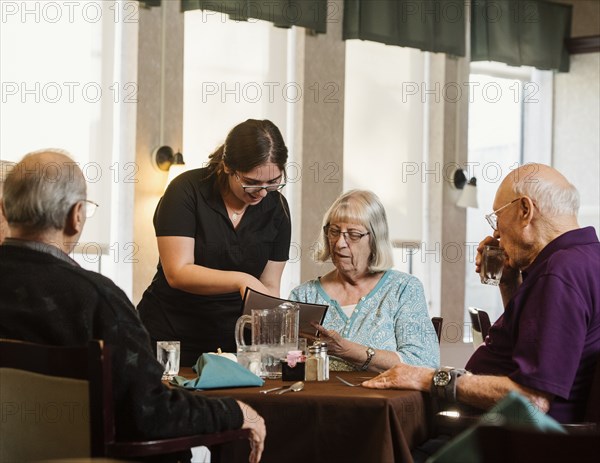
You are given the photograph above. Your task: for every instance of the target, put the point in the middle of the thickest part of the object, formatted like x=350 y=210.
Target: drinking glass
x=270 y=359
x=249 y=357
x=167 y=354
x=302 y=344
x=492 y=262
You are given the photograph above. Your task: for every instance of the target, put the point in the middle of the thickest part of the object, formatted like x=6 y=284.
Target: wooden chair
x=437 y=325
x=57 y=403
x=591 y=422
x=480 y=325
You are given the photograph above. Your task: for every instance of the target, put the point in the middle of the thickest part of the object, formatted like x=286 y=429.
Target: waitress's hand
x=248 y=281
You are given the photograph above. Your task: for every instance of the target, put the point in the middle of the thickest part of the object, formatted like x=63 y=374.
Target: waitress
x=220 y=229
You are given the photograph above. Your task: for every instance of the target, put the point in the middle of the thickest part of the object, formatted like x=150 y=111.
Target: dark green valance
x=521 y=32
x=149 y=2
x=311 y=14
x=429 y=25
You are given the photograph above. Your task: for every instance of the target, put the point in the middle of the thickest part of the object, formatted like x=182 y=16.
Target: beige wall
x=322 y=136
x=150 y=68
x=446 y=222
x=586 y=17
x=576 y=134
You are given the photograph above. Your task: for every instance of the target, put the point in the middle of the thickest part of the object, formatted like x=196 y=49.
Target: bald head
x=552 y=193
x=41 y=189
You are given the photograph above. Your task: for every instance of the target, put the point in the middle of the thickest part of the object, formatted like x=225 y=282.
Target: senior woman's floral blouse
x=393 y=316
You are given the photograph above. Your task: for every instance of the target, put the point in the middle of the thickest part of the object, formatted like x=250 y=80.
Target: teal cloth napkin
x=215 y=371
x=512 y=411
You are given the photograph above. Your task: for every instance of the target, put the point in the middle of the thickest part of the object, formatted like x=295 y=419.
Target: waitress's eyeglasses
x=252 y=189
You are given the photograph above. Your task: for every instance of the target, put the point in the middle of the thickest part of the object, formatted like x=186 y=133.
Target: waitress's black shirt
x=192 y=206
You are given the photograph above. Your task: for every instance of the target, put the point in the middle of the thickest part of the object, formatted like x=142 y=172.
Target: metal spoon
x=294 y=388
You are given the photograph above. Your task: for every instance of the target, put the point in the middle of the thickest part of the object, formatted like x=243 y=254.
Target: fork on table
x=348 y=383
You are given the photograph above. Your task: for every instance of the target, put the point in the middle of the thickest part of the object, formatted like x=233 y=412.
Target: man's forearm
x=485 y=391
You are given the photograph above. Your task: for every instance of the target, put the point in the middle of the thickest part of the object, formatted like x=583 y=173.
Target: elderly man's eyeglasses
x=90 y=207
x=350 y=236
x=252 y=189
x=493 y=218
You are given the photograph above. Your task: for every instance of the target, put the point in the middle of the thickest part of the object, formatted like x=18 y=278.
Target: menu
x=308 y=312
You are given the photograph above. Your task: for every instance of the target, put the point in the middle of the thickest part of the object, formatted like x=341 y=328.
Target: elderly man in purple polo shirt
x=547 y=342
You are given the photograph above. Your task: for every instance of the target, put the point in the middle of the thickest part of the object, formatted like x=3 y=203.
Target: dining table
x=329 y=421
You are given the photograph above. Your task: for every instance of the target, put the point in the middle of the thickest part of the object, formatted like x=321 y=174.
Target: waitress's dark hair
x=248 y=145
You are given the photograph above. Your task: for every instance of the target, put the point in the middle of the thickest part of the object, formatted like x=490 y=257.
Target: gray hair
x=41 y=189
x=5 y=168
x=553 y=199
x=360 y=207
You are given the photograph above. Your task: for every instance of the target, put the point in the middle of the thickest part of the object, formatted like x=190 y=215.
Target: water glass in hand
x=492 y=263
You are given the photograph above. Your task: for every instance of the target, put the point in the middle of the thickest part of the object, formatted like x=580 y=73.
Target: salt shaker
x=317 y=363
x=325 y=362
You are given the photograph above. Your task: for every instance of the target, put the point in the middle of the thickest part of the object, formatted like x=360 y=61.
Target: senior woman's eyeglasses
x=492 y=218
x=350 y=236
x=90 y=207
x=252 y=189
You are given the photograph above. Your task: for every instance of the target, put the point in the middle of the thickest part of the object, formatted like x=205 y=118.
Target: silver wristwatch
x=370 y=355
x=444 y=383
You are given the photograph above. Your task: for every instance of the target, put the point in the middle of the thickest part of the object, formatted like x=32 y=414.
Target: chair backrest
x=480 y=325
x=437 y=325
x=591 y=418
x=47 y=392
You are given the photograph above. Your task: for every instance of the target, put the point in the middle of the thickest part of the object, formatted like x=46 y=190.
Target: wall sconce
x=166 y=160
x=468 y=197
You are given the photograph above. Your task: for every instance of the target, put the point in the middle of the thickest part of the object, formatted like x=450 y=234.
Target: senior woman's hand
x=336 y=344
x=402 y=376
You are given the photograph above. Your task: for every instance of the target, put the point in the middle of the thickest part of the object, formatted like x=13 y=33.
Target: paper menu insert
x=308 y=312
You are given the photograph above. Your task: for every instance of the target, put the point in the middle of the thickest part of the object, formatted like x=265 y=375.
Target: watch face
x=441 y=378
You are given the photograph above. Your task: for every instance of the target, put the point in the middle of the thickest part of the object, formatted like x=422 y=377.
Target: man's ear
x=526 y=209
x=75 y=219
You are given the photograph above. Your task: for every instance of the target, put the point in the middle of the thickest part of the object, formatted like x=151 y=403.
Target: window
x=510 y=113
x=383 y=136
x=64 y=86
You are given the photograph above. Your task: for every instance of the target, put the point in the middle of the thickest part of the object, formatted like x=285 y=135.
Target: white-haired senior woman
x=377 y=316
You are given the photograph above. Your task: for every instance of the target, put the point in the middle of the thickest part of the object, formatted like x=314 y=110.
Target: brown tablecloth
x=331 y=422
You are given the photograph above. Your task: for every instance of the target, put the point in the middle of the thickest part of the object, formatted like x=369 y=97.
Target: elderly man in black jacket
x=47 y=298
